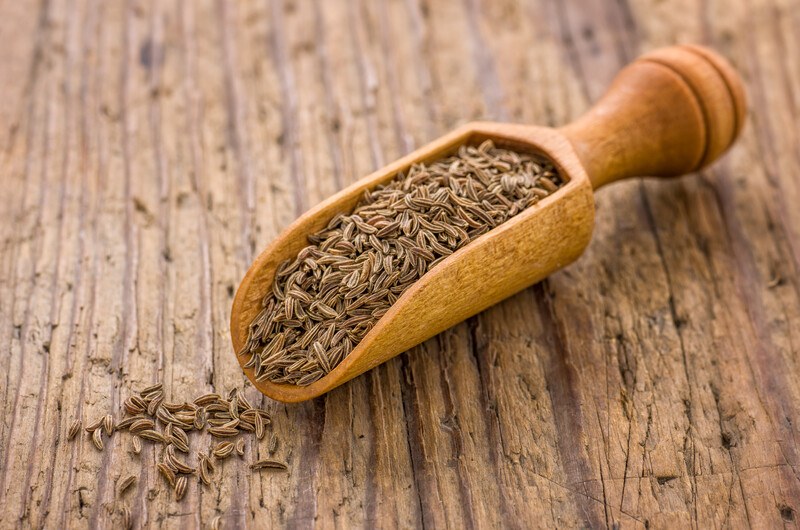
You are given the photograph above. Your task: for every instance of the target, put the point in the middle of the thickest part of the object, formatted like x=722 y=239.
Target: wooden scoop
x=672 y=111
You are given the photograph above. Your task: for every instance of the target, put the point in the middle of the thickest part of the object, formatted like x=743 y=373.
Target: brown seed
x=152 y=389
x=268 y=464
x=180 y=445
x=217 y=422
x=273 y=444
x=97 y=439
x=143 y=424
x=205 y=473
x=259 y=426
x=136 y=442
x=212 y=467
x=165 y=416
x=243 y=402
x=155 y=403
x=240 y=446
x=223 y=449
x=199 y=419
x=180 y=435
x=180 y=488
x=152 y=435
x=167 y=433
x=127 y=483
x=134 y=405
x=167 y=473
x=232 y=424
x=216 y=523
x=127 y=422
x=222 y=432
x=108 y=424
x=218 y=406
x=206 y=399
x=95 y=425
x=174 y=407
x=176 y=463
x=74 y=429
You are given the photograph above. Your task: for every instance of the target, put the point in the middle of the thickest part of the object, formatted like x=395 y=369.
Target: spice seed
x=167 y=473
x=137 y=445
x=128 y=422
x=223 y=449
x=222 y=432
x=219 y=417
x=153 y=436
x=108 y=424
x=205 y=399
x=268 y=464
x=151 y=389
x=212 y=468
x=199 y=420
x=74 y=429
x=216 y=523
x=95 y=425
x=181 y=466
x=180 y=488
x=97 y=439
x=127 y=483
x=142 y=425
x=259 y=426
x=273 y=444
x=204 y=474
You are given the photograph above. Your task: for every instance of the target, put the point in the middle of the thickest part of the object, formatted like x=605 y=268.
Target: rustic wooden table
x=148 y=151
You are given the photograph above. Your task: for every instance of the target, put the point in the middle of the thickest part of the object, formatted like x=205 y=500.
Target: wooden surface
x=148 y=150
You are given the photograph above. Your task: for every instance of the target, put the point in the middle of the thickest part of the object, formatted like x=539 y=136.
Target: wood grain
x=149 y=149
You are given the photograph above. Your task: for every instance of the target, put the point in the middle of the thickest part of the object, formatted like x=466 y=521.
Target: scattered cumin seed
x=152 y=389
x=222 y=432
x=128 y=422
x=127 y=483
x=74 y=429
x=180 y=487
x=108 y=424
x=152 y=435
x=223 y=449
x=166 y=472
x=136 y=442
x=268 y=463
x=95 y=425
x=97 y=439
x=142 y=425
x=205 y=473
x=259 y=424
x=217 y=417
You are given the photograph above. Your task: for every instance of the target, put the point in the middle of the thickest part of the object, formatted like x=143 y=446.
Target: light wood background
x=148 y=151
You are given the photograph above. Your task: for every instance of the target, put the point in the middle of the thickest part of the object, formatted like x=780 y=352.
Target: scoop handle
x=672 y=111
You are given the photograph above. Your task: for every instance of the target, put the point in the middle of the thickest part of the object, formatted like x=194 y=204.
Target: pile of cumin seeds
x=328 y=298
x=147 y=418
